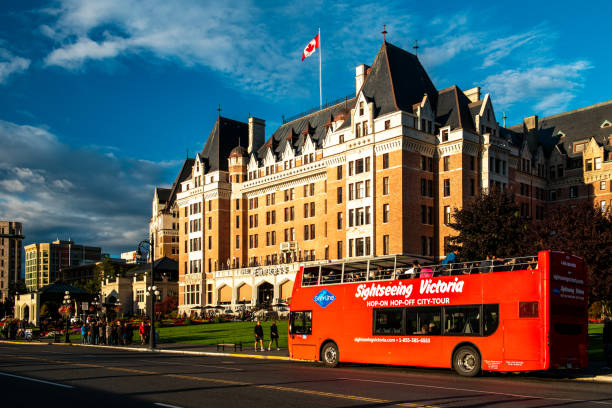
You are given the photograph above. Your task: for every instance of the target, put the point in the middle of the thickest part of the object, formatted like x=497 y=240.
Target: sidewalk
x=596 y=372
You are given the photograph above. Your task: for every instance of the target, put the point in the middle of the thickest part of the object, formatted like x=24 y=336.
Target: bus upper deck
x=405 y=267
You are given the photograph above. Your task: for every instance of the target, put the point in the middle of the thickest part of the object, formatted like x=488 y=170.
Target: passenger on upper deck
x=450 y=258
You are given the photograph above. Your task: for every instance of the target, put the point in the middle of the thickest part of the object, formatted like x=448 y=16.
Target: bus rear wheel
x=330 y=355
x=466 y=361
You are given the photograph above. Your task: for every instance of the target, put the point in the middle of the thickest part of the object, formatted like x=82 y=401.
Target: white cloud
x=11 y=64
x=552 y=87
x=12 y=186
x=223 y=36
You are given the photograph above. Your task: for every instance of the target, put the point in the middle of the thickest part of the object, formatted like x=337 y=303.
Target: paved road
x=49 y=376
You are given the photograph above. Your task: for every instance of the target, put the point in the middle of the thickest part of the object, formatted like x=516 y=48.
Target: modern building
x=11 y=246
x=45 y=260
x=375 y=174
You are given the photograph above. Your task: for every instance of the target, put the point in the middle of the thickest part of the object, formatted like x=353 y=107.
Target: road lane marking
x=236 y=383
x=36 y=380
x=161 y=404
x=192 y=364
x=505 y=394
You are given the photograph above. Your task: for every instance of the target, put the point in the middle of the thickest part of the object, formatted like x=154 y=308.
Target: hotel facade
x=379 y=173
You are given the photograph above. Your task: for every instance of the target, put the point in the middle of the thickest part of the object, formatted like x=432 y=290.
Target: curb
x=597 y=378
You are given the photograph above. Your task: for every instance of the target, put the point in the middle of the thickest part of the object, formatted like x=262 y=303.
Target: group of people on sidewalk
x=117 y=333
x=259 y=336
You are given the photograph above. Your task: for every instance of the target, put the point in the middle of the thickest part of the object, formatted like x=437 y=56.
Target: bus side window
x=300 y=322
x=462 y=320
x=491 y=319
x=388 y=321
x=425 y=321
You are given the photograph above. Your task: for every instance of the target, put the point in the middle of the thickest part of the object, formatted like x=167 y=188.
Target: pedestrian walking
x=273 y=335
x=142 y=332
x=83 y=333
x=259 y=336
x=109 y=334
x=101 y=333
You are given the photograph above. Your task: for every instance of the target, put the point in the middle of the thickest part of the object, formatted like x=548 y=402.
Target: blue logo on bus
x=324 y=298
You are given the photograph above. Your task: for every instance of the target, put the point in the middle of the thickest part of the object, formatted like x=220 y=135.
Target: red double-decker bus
x=517 y=314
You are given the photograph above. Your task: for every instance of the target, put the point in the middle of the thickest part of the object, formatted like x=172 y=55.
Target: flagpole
x=320 y=84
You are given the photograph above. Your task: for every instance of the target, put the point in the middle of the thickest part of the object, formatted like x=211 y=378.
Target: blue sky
x=101 y=100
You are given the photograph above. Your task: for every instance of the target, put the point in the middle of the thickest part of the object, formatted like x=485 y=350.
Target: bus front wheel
x=466 y=361
x=330 y=355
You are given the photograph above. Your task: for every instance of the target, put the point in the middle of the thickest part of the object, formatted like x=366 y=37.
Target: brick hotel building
x=376 y=174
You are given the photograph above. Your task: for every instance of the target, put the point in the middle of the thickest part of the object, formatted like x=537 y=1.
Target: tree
x=491 y=224
x=583 y=230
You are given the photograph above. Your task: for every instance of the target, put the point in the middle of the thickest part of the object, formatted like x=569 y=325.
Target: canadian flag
x=311 y=47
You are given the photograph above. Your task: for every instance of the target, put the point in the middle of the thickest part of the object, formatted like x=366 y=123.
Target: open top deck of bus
x=402 y=267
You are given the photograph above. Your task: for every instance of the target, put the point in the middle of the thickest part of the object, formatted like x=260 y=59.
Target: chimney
x=361 y=72
x=257 y=134
x=531 y=123
x=473 y=94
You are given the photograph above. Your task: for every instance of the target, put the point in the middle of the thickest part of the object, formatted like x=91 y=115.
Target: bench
x=236 y=346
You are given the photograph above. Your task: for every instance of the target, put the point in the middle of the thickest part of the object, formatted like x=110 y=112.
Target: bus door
x=300 y=330
x=523 y=337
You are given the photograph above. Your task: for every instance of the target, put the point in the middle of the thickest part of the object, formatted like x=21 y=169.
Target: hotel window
x=447 y=215
x=472 y=187
x=209 y=242
x=423 y=214
x=351 y=167
x=339 y=252
x=444 y=134
x=312 y=232
x=387 y=124
x=472 y=162
x=273 y=237
x=602 y=185
x=446 y=187
x=367 y=163
x=598 y=163
x=339 y=172
x=237 y=204
x=385 y=245
x=423 y=187
x=312 y=209
x=560 y=170
x=359 y=166
x=430 y=215
x=385 y=159
x=339 y=221
x=351 y=218
x=385 y=185
x=367 y=188
x=423 y=245
x=588 y=165
x=430 y=188
x=446 y=161
x=306 y=207
x=209 y=223
x=339 y=195
x=360 y=108
x=385 y=212
x=237 y=241
x=341 y=139
x=423 y=163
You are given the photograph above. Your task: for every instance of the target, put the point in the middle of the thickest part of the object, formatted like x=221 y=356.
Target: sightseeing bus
x=518 y=314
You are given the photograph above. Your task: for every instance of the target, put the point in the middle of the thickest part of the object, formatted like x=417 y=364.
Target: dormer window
x=341 y=139
x=444 y=135
x=360 y=108
x=605 y=124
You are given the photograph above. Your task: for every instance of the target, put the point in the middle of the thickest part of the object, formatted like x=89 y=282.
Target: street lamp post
x=66 y=303
x=151 y=289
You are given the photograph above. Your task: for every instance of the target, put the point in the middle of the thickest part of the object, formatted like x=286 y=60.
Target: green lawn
x=595 y=342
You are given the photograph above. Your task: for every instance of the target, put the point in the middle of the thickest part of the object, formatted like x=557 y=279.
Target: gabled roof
x=454 y=109
x=397 y=81
x=182 y=176
x=576 y=125
x=163 y=194
x=294 y=132
x=225 y=135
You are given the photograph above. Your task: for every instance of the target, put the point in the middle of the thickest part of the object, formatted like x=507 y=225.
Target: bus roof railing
x=403 y=267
